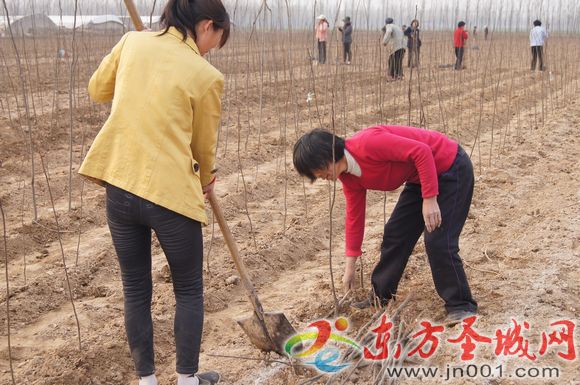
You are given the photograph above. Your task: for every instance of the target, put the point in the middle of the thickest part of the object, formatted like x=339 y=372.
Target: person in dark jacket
x=413 y=43
x=346 y=31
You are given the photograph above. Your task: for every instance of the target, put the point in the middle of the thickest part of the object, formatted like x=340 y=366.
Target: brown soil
x=520 y=245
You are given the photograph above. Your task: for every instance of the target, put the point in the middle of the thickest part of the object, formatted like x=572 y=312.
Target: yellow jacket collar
x=189 y=40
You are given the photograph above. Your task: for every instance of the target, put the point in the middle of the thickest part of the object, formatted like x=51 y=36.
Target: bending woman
x=438 y=179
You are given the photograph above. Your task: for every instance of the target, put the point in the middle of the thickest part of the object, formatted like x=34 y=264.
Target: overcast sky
x=561 y=15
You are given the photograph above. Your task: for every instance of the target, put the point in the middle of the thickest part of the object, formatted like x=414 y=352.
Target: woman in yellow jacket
x=156 y=156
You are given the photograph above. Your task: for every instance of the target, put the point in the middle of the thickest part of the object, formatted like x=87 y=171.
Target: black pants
x=396 y=63
x=405 y=226
x=537 y=54
x=131 y=219
x=321 y=52
x=347 y=55
x=459 y=58
x=413 y=59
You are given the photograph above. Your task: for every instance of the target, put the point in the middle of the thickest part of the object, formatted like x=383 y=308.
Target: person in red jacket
x=459 y=38
x=438 y=182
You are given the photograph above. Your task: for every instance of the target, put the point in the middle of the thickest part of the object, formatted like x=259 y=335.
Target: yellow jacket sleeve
x=206 y=119
x=102 y=84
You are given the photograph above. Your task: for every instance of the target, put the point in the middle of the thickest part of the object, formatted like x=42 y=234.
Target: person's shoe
x=208 y=378
x=456 y=316
x=148 y=380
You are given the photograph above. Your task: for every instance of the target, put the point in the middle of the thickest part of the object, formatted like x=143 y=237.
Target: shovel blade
x=278 y=327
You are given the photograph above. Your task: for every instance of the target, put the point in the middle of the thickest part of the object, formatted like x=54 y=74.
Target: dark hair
x=537 y=23
x=185 y=14
x=313 y=151
x=461 y=24
x=413 y=21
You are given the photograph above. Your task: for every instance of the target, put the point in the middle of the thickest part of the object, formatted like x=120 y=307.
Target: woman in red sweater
x=438 y=179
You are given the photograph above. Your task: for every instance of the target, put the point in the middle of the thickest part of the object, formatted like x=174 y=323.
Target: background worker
x=459 y=38
x=538 y=36
x=346 y=31
x=413 y=43
x=321 y=36
x=394 y=35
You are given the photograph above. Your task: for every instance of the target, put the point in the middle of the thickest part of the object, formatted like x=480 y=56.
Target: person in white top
x=537 y=37
x=394 y=34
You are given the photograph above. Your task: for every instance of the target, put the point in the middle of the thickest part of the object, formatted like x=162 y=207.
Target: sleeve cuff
x=430 y=195
x=211 y=179
x=353 y=253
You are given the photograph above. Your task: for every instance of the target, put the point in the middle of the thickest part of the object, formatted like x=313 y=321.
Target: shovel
x=267 y=331
x=135 y=18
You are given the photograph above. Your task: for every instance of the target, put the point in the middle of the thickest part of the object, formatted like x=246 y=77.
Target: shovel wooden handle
x=231 y=243
x=135 y=18
x=251 y=291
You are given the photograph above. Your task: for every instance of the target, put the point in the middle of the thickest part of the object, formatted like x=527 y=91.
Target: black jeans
x=459 y=58
x=396 y=63
x=321 y=52
x=413 y=58
x=537 y=53
x=405 y=226
x=131 y=219
x=347 y=55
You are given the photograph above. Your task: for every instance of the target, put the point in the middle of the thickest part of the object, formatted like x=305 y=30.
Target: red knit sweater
x=388 y=157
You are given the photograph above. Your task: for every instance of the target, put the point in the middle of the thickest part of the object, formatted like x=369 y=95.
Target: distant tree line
x=498 y=15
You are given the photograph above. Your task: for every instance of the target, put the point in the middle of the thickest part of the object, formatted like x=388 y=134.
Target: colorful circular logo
x=299 y=346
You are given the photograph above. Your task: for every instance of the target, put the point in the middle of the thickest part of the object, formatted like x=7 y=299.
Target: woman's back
x=159 y=140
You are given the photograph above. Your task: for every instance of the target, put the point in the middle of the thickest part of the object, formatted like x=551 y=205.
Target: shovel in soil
x=267 y=331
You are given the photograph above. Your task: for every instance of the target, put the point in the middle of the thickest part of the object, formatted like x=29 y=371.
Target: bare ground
x=520 y=245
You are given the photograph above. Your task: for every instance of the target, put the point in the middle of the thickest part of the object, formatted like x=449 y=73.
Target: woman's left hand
x=431 y=213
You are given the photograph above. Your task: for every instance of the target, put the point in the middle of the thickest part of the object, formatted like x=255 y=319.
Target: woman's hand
x=348 y=279
x=209 y=187
x=431 y=213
